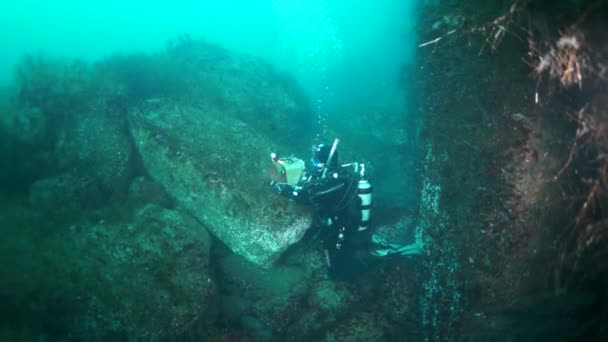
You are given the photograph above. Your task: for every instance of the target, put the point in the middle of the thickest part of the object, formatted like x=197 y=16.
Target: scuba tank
x=364 y=191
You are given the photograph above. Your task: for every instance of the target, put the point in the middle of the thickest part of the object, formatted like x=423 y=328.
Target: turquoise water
x=134 y=141
x=346 y=55
x=351 y=42
x=139 y=199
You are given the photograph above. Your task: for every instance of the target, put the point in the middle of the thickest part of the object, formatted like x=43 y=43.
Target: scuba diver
x=341 y=199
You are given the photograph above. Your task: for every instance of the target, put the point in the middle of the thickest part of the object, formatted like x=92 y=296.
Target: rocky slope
x=123 y=174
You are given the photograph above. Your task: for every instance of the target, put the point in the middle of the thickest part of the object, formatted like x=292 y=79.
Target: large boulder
x=263 y=302
x=145 y=277
x=326 y=303
x=256 y=92
x=97 y=144
x=93 y=164
x=292 y=300
x=65 y=196
x=362 y=326
x=64 y=117
x=145 y=191
x=214 y=166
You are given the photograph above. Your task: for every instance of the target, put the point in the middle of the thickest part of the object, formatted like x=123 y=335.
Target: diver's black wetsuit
x=337 y=214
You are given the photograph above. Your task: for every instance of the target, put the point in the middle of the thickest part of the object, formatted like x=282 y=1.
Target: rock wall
x=509 y=90
x=138 y=210
x=124 y=174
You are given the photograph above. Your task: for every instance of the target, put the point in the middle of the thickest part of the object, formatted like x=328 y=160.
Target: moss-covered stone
x=263 y=301
x=66 y=195
x=213 y=165
x=363 y=326
x=326 y=304
x=92 y=164
x=140 y=277
x=145 y=191
x=329 y=296
x=97 y=144
x=503 y=171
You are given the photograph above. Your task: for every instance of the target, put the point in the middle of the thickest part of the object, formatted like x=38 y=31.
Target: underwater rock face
x=65 y=195
x=97 y=144
x=249 y=88
x=145 y=277
x=145 y=191
x=213 y=166
x=66 y=117
x=327 y=302
x=27 y=125
x=363 y=326
x=97 y=159
x=263 y=301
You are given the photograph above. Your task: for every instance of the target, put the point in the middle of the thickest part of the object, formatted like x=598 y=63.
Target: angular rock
x=90 y=165
x=65 y=195
x=363 y=326
x=26 y=125
x=327 y=302
x=145 y=191
x=153 y=274
x=252 y=89
x=97 y=144
x=330 y=297
x=263 y=301
x=398 y=298
x=214 y=167
x=65 y=117
x=141 y=278
x=23 y=132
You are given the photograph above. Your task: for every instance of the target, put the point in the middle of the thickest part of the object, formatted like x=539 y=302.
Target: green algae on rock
x=362 y=326
x=264 y=301
x=158 y=270
x=213 y=166
x=145 y=277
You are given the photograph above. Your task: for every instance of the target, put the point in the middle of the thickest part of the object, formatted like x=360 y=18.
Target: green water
x=135 y=196
x=357 y=40
x=73 y=74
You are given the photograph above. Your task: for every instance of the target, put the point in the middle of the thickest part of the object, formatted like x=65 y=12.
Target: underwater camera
x=287 y=170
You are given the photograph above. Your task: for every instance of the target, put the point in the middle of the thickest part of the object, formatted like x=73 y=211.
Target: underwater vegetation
x=514 y=99
x=95 y=154
x=137 y=187
x=135 y=205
